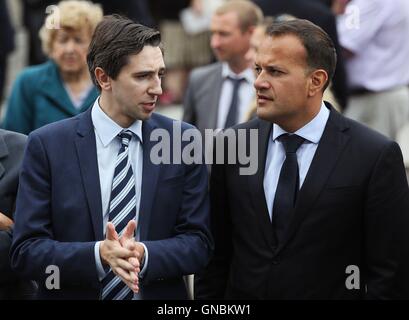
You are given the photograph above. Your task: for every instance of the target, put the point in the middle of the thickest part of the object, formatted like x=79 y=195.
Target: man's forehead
x=149 y=52
x=282 y=47
x=149 y=57
x=230 y=17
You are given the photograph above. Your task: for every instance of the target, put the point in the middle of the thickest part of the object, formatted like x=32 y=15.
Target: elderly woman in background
x=61 y=87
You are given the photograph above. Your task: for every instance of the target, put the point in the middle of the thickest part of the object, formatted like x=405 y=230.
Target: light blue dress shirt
x=108 y=145
x=312 y=133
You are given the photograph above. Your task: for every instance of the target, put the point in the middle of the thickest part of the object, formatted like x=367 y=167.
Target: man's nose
x=215 y=41
x=156 y=88
x=260 y=83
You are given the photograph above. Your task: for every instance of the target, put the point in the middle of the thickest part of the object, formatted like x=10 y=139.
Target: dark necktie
x=122 y=209
x=232 y=116
x=288 y=185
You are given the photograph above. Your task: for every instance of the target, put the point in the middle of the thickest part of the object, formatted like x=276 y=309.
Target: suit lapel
x=87 y=158
x=150 y=173
x=256 y=182
x=330 y=147
x=4 y=152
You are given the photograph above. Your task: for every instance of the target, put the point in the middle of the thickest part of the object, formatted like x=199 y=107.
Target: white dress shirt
x=376 y=31
x=108 y=145
x=246 y=94
x=312 y=133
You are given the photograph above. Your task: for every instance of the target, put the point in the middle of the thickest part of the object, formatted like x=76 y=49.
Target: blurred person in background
x=184 y=25
x=61 y=87
x=373 y=35
x=219 y=95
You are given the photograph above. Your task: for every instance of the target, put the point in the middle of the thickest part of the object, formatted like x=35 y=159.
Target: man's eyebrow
x=161 y=70
x=268 y=66
x=274 y=67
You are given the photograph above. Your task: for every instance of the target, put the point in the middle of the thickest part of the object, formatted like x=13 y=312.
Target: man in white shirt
x=220 y=95
x=374 y=37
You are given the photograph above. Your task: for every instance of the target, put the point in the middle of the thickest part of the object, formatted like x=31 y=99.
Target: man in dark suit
x=322 y=16
x=97 y=172
x=11 y=155
x=327 y=213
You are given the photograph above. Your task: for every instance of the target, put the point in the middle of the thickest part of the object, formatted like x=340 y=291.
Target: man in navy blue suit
x=95 y=172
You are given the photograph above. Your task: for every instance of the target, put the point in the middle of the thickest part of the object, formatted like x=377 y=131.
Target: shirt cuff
x=145 y=262
x=100 y=269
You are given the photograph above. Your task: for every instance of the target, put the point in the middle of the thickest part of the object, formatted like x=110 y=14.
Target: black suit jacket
x=352 y=209
x=322 y=16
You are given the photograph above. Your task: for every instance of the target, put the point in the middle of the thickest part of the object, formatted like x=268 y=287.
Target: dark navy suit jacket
x=59 y=215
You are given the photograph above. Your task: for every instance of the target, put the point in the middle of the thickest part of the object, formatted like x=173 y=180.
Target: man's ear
x=103 y=79
x=318 y=79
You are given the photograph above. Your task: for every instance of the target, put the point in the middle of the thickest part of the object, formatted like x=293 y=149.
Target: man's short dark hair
x=114 y=40
x=318 y=45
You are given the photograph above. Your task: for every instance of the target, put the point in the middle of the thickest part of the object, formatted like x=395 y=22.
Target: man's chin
x=267 y=115
x=220 y=57
x=146 y=115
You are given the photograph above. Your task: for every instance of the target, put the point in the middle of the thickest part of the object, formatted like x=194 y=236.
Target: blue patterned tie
x=122 y=209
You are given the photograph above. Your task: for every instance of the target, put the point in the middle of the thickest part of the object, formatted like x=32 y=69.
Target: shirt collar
x=107 y=129
x=312 y=131
x=247 y=74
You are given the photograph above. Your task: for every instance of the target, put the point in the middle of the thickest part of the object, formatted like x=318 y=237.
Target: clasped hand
x=123 y=254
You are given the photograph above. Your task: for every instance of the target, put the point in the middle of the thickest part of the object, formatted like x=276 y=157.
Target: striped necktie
x=122 y=209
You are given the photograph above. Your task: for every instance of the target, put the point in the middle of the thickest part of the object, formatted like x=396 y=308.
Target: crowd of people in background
x=370 y=48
